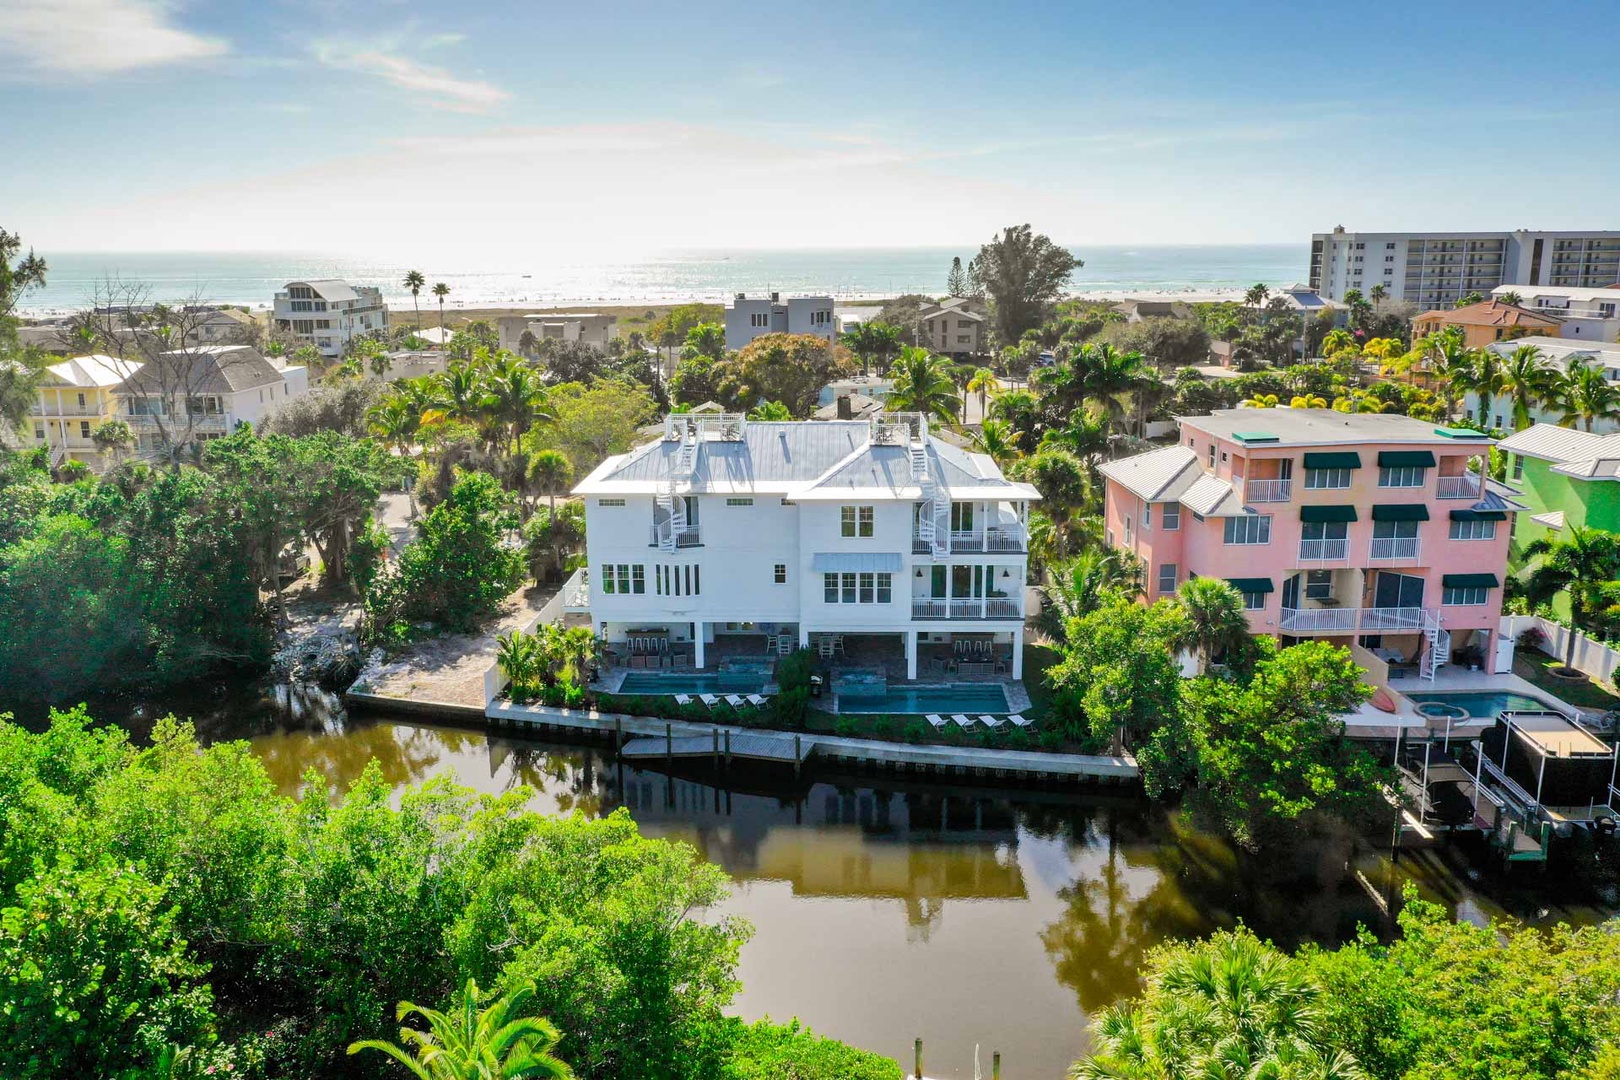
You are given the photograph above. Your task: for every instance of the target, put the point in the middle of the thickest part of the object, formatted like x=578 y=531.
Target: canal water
x=883 y=910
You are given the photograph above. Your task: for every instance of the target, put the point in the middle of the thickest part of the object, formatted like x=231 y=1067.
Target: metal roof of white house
x=810 y=460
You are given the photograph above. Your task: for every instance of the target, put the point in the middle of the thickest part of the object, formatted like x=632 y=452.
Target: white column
x=804 y=636
x=1018 y=653
x=697 y=644
x=911 y=654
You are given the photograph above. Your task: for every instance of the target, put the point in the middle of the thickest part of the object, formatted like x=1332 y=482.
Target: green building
x=1564 y=479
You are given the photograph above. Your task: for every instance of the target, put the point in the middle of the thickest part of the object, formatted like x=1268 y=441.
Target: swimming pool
x=657 y=682
x=1488 y=704
x=972 y=698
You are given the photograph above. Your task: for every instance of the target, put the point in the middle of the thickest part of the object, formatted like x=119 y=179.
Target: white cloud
x=447 y=90
x=98 y=37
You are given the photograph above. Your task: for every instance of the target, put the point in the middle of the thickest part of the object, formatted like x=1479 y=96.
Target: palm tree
x=922 y=384
x=1378 y=293
x=1583 y=393
x=1073 y=589
x=414 y=281
x=1527 y=382
x=875 y=343
x=770 y=410
x=1255 y=297
x=1215 y=619
x=1579 y=564
x=995 y=437
x=1337 y=341
x=497 y=1043
x=1512 y=298
x=515 y=398
x=441 y=290
x=550 y=471
x=1226 y=1008
x=1483 y=375
x=983 y=383
x=460 y=393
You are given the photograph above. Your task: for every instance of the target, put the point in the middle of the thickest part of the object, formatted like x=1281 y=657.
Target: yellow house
x=76 y=397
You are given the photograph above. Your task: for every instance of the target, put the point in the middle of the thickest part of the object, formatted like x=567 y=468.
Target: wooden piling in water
x=995 y=1065
x=919 y=1075
x=669 y=746
x=728 y=749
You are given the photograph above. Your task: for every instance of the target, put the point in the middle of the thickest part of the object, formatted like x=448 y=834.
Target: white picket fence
x=1592 y=657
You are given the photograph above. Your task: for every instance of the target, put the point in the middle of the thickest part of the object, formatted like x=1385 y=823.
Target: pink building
x=1375 y=531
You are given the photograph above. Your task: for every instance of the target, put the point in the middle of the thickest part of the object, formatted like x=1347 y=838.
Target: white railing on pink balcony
x=1373 y=620
x=1391 y=548
x=1265 y=491
x=1318 y=620
x=1460 y=487
x=1323 y=550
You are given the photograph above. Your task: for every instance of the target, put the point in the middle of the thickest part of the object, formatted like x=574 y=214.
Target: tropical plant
x=770 y=410
x=1215 y=620
x=469 y=1043
x=515 y=398
x=1337 y=341
x=1024 y=273
x=1528 y=382
x=416 y=281
x=1511 y=297
x=875 y=343
x=1260 y=401
x=983 y=383
x=1581 y=563
x=923 y=384
x=441 y=290
x=1307 y=401
x=1230 y=1008
x=1075 y=588
x=705 y=339
x=1583 y=393
x=995 y=438
x=549 y=472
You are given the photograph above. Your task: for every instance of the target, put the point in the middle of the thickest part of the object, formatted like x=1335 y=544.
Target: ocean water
x=252 y=279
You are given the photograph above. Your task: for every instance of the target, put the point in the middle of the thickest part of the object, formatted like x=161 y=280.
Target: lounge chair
x=735 y=701
x=757 y=700
x=711 y=700
x=990 y=721
x=1019 y=721
x=962 y=720
x=683 y=699
x=935 y=720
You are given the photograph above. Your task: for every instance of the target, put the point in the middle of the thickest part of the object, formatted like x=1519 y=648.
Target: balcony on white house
x=957 y=591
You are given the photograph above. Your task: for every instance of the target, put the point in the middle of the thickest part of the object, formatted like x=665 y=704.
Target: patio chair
x=935 y=720
x=757 y=700
x=1018 y=720
x=990 y=721
x=683 y=699
x=735 y=701
x=962 y=720
x=711 y=700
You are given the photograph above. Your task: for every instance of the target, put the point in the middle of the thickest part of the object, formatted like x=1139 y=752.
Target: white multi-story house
x=1433 y=269
x=1585 y=314
x=578 y=327
x=1557 y=354
x=870 y=530
x=193 y=395
x=957 y=326
x=749 y=317
x=328 y=314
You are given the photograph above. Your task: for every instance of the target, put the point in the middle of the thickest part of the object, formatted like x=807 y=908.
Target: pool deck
x=1449 y=680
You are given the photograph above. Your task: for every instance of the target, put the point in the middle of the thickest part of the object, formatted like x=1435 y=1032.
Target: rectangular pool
x=972 y=698
x=650 y=683
x=1487 y=704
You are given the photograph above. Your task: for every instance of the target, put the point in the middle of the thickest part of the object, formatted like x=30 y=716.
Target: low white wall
x=1592 y=657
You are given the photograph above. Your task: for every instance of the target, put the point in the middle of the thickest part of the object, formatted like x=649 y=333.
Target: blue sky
x=380 y=127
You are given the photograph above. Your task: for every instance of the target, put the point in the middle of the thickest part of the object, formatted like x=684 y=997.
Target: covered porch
x=912 y=655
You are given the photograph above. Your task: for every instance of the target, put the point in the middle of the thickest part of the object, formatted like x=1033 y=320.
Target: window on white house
x=1248 y=529
x=855 y=521
x=624 y=578
x=739 y=502
x=609 y=502
x=862 y=588
x=779 y=573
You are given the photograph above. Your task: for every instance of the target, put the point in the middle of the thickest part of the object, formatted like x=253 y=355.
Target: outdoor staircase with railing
x=934 y=512
x=1438 y=654
x=669 y=499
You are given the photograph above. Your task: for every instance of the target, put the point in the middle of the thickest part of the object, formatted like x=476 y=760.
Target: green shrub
x=367 y=550
x=789 y=707
x=916 y=730
x=767 y=1051
x=847 y=725
x=793 y=671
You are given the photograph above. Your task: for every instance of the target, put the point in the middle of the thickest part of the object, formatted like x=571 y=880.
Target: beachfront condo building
x=1374 y=531
x=872 y=540
x=1438 y=269
x=329 y=314
x=749 y=317
x=1582 y=314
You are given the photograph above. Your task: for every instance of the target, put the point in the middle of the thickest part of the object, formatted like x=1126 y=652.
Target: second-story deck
x=1352 y=620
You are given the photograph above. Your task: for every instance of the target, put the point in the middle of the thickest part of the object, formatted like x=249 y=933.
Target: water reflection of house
x=921 y=848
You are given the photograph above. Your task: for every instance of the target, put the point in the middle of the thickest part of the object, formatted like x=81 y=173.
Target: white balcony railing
x=1373 y=620
x=1265 y=491
x=994 y=607
x=576 y=591
x=1323 y=550
x=996 y=538
x=692 y=536
x=1460 y=487
x=1389 y=548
